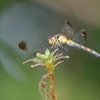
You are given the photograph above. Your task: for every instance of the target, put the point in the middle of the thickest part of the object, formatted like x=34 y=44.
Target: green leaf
x=47 y=52
x=41 y=56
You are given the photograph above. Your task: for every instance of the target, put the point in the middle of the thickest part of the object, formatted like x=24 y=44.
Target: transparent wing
x=34 y=45
x=80 y=37
x=68 y=29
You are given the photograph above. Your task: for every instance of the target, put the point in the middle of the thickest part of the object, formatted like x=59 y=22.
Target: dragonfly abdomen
x=87 y=49
x=90 y=51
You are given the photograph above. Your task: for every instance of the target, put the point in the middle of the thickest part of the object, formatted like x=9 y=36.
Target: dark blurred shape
x=84 y=34
x=37 y=52
x=69 y=23
x=22 y=45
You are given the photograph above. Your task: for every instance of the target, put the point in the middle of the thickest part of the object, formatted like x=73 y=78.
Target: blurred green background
x=78 y=78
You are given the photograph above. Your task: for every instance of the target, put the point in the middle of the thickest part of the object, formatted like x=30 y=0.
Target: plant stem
x=54 y=95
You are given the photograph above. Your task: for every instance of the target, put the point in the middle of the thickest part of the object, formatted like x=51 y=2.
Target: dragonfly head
x=52 y=40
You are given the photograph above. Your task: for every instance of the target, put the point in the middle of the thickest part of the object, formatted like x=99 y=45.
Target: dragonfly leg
x=63 y=47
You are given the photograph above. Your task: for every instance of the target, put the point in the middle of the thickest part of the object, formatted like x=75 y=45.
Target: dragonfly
x=66 y=38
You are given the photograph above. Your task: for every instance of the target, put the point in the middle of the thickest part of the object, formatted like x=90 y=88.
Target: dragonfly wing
x=34 y=45
x=68 y=29
x=80 y=37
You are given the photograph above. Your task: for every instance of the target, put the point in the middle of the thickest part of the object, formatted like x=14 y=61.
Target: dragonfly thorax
x=58 y=39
